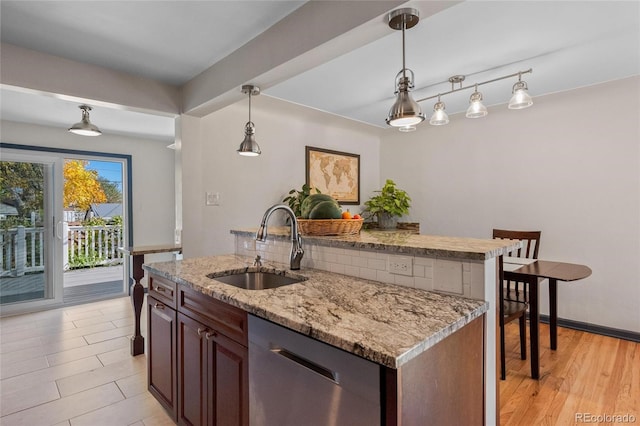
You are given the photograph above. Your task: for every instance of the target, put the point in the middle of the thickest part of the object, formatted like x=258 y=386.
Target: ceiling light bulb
x=84 y=127
x=476 y=107
x=407 y=129
x=439 y=117
x=521 y=98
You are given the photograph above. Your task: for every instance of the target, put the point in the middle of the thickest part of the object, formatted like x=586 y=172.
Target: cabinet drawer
x=163 y=290
x=221 y=317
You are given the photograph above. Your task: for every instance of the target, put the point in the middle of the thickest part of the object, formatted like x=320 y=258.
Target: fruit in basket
x=312 y=201
x=356 y=216
x=325 y=210
x=346 y=214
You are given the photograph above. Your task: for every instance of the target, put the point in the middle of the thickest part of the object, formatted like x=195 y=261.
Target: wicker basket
x=329 y=226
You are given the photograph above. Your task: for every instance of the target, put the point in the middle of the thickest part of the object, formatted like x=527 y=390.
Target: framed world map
x=334 y=173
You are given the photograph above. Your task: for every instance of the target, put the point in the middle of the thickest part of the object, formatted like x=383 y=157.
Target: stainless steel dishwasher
x=295 y=380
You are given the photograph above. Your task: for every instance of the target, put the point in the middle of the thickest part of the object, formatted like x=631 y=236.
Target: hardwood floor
x=71 y=366
x=589 y=375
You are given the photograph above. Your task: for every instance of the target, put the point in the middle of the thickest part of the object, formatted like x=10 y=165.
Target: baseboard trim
x=596 y=329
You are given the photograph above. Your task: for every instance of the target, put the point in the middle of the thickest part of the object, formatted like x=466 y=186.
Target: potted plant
x=389 y=205
x=295 y=198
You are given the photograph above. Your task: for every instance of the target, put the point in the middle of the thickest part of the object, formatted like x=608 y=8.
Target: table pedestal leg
x=137 y=299
x=534 y=322
x=553 y=313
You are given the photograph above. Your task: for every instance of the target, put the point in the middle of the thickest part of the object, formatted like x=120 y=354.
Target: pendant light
x=84 y=127
x=405 y=112
x=520 y=98
x=249 y=147
x=476 y=107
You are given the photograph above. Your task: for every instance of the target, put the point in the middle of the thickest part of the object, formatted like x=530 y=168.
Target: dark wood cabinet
x=192 y=371
x=209 y=377
x=229 y=381
x=161 y=356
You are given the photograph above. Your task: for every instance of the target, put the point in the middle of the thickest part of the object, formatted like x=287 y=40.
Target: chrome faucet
x=296 y=241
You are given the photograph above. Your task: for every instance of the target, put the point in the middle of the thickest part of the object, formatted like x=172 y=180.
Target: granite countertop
x=384 y=323
x=403 y=242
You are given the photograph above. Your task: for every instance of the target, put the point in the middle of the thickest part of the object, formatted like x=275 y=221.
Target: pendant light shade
x=84 y=127
x=520 y=98
x=476 y=107
x=405 y=112
x=439 y=117
x=249 y=147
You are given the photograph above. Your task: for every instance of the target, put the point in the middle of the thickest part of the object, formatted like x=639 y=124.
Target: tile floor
x=71 y=366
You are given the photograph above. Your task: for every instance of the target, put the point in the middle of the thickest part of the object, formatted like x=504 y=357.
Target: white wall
x=152 y=170
x=249 y=185
x=569 y=166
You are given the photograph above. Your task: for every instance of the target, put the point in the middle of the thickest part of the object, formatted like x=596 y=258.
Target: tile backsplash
x=429 y=273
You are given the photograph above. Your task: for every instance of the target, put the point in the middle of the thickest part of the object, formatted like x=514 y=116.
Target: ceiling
x=568 y=44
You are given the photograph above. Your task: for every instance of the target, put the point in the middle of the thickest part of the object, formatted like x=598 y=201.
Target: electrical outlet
x=400 y=265
x=177 y=236
x=250 y=244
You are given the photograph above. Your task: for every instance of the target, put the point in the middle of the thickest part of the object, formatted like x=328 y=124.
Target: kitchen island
x=430 y=347
x=411 y=340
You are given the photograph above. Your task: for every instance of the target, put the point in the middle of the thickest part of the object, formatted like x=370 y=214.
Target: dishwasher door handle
x=316 y=368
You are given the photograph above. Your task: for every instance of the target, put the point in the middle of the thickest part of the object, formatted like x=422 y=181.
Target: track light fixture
x=520 y=99
x=84 y=127
x=249 y=147
x=405 y=113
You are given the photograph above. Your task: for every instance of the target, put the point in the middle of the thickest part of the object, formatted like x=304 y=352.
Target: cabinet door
x=161 y=358
x=228 y=382
x=192 y=372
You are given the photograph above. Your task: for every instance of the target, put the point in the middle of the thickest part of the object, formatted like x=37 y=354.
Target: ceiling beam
x=28 y=70
x=313 y=34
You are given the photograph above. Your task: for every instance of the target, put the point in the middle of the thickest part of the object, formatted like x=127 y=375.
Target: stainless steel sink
x=258 y=280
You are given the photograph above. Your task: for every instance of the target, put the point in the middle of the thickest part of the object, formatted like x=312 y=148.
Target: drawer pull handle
x=206 y=331
x=316 y=368
x=158 y=306
x=160 y=289
x=210 y=334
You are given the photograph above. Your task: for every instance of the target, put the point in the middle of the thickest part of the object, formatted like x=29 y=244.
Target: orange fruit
x=346 y=215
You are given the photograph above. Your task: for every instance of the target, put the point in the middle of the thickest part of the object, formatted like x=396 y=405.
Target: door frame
x=61 y=154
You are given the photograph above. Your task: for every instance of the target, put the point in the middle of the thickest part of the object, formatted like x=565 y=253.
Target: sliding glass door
x=94 y=225
x=30 y=231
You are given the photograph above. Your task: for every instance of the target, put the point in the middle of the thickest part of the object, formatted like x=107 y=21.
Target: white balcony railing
x=22 y=248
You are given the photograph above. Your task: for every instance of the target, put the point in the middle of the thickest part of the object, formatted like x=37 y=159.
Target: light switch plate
x=212 y=198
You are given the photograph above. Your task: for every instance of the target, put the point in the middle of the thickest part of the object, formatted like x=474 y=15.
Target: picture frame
x=334 y=173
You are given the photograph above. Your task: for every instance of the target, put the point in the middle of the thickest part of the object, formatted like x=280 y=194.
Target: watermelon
x=311 y=201
x=326 y=210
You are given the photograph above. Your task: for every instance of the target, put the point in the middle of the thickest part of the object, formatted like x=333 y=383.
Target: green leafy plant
x=295 y=198
x=85 y=261
x=391 y=200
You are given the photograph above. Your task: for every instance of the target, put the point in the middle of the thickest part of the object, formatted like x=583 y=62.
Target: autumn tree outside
x=81 y=186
